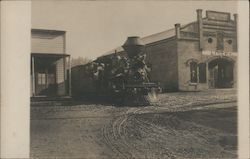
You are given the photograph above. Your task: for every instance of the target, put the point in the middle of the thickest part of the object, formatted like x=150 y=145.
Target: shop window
x=193 y=72
x=41 y=78
x=202 y=73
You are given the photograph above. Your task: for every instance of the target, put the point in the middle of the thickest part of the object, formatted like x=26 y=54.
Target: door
x=51 y=81
x=225 y=75
x=221 y=73
x=40 y=82
x=213 y=77
x=46 y=81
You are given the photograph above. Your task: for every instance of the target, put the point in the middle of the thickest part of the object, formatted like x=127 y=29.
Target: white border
x=15 y=77
x=243 y=79
x=15 y=73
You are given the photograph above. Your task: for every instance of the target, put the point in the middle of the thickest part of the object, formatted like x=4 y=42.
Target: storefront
x=50 y=65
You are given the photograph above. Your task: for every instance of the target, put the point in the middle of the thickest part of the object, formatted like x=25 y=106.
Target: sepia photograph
x=133 y=80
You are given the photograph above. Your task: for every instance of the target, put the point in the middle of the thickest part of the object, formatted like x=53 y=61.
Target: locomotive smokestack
x=133 y=46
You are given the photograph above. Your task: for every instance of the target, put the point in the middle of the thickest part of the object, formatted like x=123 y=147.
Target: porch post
x=33 y=76
x=69 y=62
x=65 y=75
x=207 y=75
x=198 y=74
x=234 y=75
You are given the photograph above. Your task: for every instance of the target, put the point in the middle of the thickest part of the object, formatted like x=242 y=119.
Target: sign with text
x=218 y=53
x=213 y=15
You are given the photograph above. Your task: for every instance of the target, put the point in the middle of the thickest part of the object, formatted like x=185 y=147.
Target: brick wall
x=187 y=50
x=162 y=58
x=210 y=43
x=229 y=44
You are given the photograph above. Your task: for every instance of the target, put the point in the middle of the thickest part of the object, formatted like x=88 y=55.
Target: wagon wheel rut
x=118 y=134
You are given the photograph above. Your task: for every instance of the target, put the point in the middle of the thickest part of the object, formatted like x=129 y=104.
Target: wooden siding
x=46 y=43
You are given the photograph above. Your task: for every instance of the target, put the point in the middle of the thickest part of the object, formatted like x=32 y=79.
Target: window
x=41 y=78
x=193 y=72
x=51 y=79
x=209 y=40
x=229 y=42
x=202 y=73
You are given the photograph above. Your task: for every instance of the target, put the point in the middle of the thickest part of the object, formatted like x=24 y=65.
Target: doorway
x=45 y=76
x=221 y=73
x=46 y=81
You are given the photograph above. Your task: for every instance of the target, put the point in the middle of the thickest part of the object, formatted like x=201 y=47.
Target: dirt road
x=197 y=128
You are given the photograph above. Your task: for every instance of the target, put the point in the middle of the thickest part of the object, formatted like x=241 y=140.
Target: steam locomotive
x=123 y=79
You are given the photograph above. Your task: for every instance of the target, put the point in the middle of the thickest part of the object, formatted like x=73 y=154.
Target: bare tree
x=79 y=61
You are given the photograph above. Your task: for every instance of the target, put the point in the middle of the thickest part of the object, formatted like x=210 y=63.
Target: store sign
x=218 y=53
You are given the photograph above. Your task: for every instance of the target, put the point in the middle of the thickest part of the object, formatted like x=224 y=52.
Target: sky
x=96 y=27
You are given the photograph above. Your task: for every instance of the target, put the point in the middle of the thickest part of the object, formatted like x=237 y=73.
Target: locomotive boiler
x=123 y=79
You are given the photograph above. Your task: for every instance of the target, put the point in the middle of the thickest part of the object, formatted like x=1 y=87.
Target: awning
x=49 y=55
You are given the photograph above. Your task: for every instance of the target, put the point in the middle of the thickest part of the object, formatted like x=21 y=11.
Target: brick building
x=195 y=56
x=49 y=64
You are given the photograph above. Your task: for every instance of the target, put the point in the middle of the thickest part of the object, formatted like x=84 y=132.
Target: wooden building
x=50 y=65
x=196 y=56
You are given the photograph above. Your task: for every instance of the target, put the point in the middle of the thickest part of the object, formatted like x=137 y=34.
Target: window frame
x=193 y=66
x=202 y=67
x=41 y=79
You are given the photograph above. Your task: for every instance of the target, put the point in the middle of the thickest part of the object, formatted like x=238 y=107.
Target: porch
x=50 y=75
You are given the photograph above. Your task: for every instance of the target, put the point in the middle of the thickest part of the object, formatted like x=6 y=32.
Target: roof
x=159 y=36
x=149 y=39
x=171 y=32
x=48 y=31
x=49 y=55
